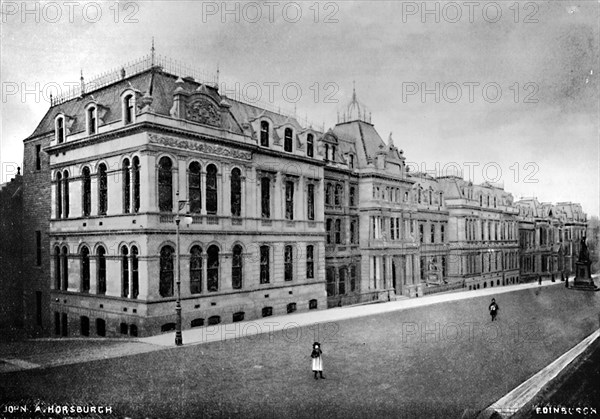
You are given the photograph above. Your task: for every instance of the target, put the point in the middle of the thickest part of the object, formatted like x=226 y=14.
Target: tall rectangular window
x=264 y=264
x=194 y=188
x=338 y=231
x=289 y=200
x=288 y=140
x=38 y=248
x=442 y=234
x=264 y=134
x=38 y=160
x=311 y=202
x=126 y=187
x=288 y=263
x=136 y=184
x=310 y=261
x=265 y=197
x=421 y=234
x=310 y=145
x=432 y=233
x=102 y=189
x=392 y=229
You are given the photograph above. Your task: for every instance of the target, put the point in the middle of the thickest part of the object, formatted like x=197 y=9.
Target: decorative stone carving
x=203 y=111
x=200 y=146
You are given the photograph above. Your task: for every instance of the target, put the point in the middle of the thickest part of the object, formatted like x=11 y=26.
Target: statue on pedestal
x=583 y=273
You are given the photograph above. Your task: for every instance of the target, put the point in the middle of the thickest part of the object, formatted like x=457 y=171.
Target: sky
x=506 y=91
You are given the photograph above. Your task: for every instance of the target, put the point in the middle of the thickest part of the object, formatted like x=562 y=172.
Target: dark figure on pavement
x=494 y=309
x=317 y=360
x=540 y=279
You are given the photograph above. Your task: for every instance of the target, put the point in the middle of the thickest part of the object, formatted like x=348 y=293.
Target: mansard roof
x=363 y=136
x=160 y=86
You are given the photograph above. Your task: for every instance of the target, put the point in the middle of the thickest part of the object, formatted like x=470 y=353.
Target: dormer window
x=332 y=153
x=351 y=161
x=92 y=120
x=264 y=133
x=310 y=141
x=326 y=152
x=287 y=140
x=128 y=109
x=59 y=129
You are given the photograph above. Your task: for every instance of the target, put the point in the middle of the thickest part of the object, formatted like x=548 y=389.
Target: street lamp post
x=178 y=335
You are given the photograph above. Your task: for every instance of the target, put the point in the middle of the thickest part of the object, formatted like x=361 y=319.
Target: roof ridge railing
x=180 y=69
x=132 y=68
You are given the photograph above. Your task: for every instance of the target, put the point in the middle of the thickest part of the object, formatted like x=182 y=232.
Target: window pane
x=213 y=269
x=264 y=264
x=196 y=270
x=265 y=194
x=165 y=185
x=166 y=272
x=236 y=192
x=211 y=189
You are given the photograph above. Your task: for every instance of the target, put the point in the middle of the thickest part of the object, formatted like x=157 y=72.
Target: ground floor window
x=267 y=311
x=312 y=304
x=100 y=327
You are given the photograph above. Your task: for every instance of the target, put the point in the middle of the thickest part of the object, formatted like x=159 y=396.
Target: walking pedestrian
x=540 y=279
x=494 y=309
x=317 y=360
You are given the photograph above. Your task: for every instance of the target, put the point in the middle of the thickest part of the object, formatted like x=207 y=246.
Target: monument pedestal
x=583 y=277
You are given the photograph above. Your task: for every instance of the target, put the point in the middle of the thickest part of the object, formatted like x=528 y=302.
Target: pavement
x=45 y=353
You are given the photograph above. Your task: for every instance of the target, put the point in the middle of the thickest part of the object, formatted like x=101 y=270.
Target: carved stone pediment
x=203 y=111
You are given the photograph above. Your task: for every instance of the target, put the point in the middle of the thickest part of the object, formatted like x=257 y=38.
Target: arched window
x=287 y=140
x=59 y=129
x=165 y=185
x=211 y=189
x=135 y=273
x=265 y=262
x=102 y=189
x=236 y=192
x=128 y=109
x=66 y=194
x=126 y=187
x=236 y=267
x=86 y=199
x=92 y=120
x=288 y=263
x=264 y=133
x=101 y=253
x=310 y=145
x=195 y=188
x=65 y=268
x=85 y=269
x=57 y=275
x=59 y=199
x=166 y=271
x=196 y=270
x=310 y=261
x=212 y=269
x=135 y=173
x=124 y=272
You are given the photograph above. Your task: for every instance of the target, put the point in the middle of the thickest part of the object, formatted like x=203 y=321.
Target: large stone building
x=274 y=217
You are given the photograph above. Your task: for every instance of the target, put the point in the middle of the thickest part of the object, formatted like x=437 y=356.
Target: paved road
x=427 y=357
x=43 y=353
